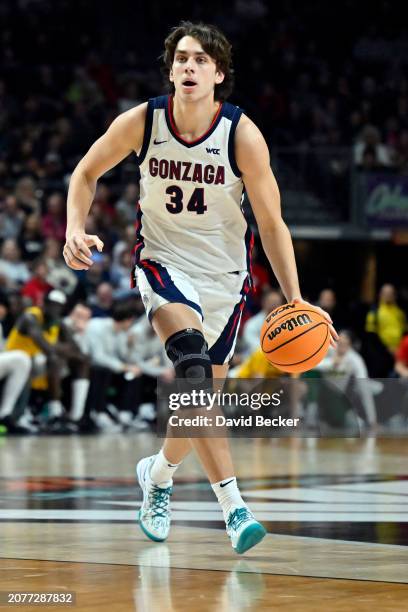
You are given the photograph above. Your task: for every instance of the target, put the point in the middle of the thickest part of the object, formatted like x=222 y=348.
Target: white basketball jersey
x=190 y=212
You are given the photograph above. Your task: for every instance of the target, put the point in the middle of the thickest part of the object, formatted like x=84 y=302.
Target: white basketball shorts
x=218 y=300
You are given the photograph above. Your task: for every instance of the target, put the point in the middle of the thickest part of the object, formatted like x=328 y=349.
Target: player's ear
x=171 y=77
x=219 y=77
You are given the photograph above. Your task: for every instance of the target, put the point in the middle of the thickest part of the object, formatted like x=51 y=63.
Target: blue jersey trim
x=147 y=131
x=234 y=114
x=160 y=101
x=172 y=128
x=163 y=285
x=225 y=341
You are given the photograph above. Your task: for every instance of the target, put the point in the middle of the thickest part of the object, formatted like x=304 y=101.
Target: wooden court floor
x=335 y=511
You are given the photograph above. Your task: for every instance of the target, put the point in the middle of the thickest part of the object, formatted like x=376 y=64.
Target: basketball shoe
x=244 y=530
x=154 y=515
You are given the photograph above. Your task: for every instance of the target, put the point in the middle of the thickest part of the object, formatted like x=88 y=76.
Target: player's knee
x=188 y=351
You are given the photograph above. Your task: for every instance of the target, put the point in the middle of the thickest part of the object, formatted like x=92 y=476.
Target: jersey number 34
x=176 y=204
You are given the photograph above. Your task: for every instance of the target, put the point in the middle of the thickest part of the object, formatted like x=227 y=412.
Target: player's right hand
x=77 y=252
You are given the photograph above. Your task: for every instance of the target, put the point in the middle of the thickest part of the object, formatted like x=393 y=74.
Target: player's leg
x=213 y=451
x=176 y=449
x=224 y=299
x=169 y=320
x=155 y=473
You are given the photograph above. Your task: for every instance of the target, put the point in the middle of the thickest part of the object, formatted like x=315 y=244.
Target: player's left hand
x=333 y=334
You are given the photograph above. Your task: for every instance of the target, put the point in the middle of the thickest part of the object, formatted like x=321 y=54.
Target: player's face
x=194 y=73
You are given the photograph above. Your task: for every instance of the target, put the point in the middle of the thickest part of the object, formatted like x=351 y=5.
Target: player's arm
x=124 y=135
x=252 y=158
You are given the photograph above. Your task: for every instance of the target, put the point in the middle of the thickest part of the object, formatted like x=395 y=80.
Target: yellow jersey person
x=40 y=333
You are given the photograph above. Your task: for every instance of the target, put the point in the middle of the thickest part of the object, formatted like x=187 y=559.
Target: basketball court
x=335 y=510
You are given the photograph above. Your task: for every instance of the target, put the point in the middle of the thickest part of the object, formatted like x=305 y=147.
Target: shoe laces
x=159 y=500
x=237 y=517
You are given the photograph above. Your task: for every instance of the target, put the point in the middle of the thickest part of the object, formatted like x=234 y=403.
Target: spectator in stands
x=256 y=366
x=344 y=369
x=102 y=303
x=15 y=305
x=54 y=221
x=26 y=195
x=328 y=301
x=370 y=141
x=126 y=243
x=107 y=342
x=385 y=325
x=36 y=333
x=387 y=319
x=41 y=334
x=14 y=271
x=37 y=286
x=77 y=321
x=120 y=273
x=11 y=218
x=271 y=299
x=147 y=352
x=126 y=207
x=59 y=275
x=401 y=358
x=31 y=239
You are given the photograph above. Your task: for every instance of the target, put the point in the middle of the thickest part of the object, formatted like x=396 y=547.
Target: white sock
x=55 y=409
x=228 y=495
x=80 y=388
x=162 y=471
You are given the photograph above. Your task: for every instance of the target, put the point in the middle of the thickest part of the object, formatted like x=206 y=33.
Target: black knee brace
x=188 y=351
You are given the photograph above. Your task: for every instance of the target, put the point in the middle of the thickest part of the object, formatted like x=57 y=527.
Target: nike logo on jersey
x=187 y=171
x=212 y=151
x=158 y=141
x=224 y=484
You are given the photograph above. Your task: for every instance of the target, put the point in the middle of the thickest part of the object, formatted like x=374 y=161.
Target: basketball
x=295 y=337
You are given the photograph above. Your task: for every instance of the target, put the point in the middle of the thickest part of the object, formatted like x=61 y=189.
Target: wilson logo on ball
x=290 y=325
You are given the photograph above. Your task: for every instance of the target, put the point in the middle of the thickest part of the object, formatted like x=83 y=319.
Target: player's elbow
x=270 y=226
x=83 y=174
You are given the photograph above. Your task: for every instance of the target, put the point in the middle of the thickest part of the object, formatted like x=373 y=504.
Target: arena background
x=334 y=116
x=327 y=83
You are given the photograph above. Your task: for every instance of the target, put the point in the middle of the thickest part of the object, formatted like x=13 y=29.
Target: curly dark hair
x=213 y=42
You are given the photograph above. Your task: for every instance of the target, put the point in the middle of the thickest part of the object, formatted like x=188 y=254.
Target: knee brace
x=188 y=351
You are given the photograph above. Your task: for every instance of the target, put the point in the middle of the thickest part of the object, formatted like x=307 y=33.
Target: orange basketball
x=295 y=337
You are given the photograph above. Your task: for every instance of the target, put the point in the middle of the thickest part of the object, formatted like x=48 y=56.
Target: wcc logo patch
x=212 y=151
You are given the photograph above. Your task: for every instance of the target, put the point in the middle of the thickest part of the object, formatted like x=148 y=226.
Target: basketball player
x=196 y=153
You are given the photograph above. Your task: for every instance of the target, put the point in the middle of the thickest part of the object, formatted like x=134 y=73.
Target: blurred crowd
x=57 y=97
x=85 y=364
